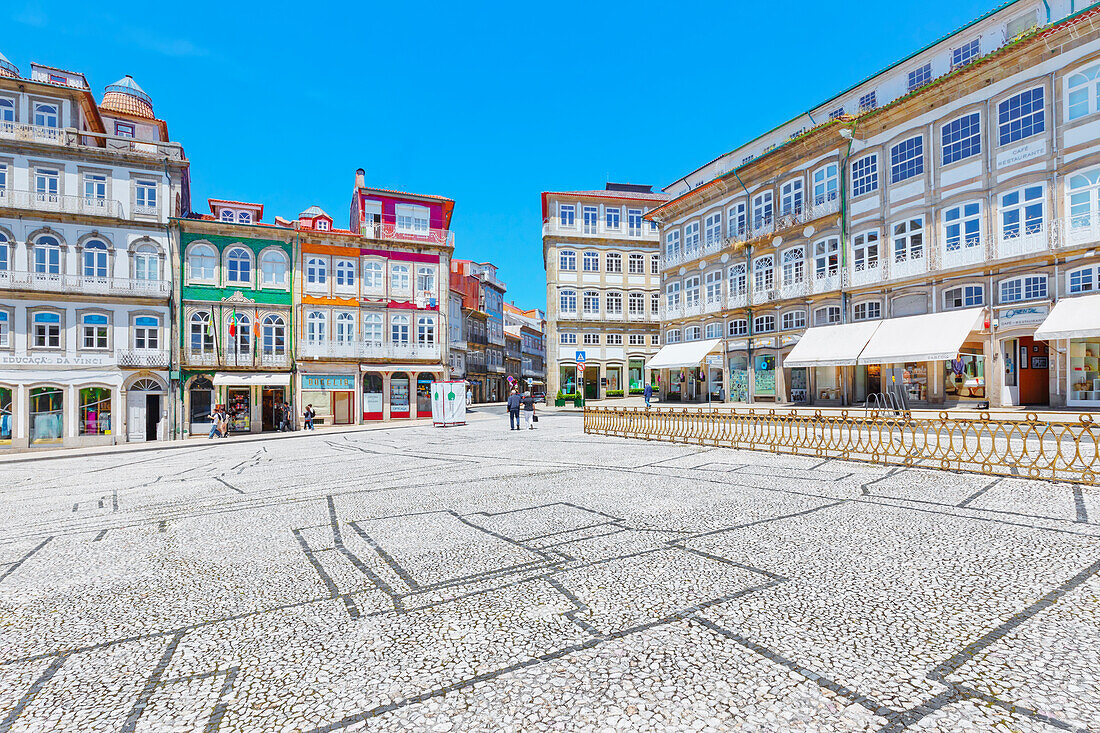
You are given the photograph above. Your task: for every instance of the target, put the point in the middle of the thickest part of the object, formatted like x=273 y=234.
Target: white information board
x=448 y=403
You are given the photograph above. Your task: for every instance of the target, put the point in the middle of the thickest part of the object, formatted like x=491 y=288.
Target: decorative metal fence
x=1028 y=448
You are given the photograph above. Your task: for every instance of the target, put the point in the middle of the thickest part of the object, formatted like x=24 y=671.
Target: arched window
x=738 y=284
x=372 y=329
x=763 y=273
x=316 y=327
x=201 y=335
x=345 y=328
x=1083 y=92
x=793 y=319
x=1084 y=199
x=345 y=273
x=146 y=263
x=93 y=328
x=5 y=252
x=227 y=215
x=591 y=301
x=47 y=255
x=316 y=271
x=372 y=275
x=425 y=280
x=45 y=115
x=240 y=333
x=425 y=331
x=567 y=301
x=738 y=327
x=714 y=330
x=244 y=217
x=274 y=335
x=238 y=264
x=273 y=268
x=7 y=110
x=5 y=330
x=399 y=330
x=693 y=333
x=827 y=315
x=95 y=259
x=201 y=261
x=794 y=264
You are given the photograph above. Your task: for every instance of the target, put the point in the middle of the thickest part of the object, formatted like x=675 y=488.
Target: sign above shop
x=328 y=381
x=55 y=360
x=1023 y=316
x=1020 y=153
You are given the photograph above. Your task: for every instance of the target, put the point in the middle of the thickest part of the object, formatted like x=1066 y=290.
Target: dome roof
x=7 y=68
x=126 y=96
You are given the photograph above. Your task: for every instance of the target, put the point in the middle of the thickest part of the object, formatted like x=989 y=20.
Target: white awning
x=837 y=345
x=930 y=337
x=248 y=379
x=1072 y=318
x=430 y=368
x=675 y=356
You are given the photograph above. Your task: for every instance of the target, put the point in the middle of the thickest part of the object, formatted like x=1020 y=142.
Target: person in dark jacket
x=528 y=410
x=513 y=410
x=648 y=393
x=308 y=416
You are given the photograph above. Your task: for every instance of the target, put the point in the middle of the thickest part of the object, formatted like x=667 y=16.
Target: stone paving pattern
x=477 y=579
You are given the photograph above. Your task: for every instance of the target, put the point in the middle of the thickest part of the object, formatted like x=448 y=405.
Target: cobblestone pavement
x=478 y=579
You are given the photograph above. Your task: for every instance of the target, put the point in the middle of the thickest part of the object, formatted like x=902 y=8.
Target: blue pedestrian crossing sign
x=580 y=359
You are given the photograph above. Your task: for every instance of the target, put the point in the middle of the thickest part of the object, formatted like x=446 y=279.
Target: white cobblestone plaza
x=473 y=579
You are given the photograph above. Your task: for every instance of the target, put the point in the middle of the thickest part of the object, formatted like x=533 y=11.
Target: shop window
x=95 y=411
x=964 y=376
x=764 y=365
x=372 y=396
x=5 y=415
x=46 y=413
x=399 y=394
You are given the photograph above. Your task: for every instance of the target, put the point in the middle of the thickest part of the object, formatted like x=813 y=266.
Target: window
x=567 y=260
x=826 y=316
x=567 y=338
x=763 y=324
x=47 y=184
x=636 y=339
x=414 y=219
x=201 y=335
x=964 y=296
x=672 y=294
x=45 y=115
x=907 y=159
x=736 y=220
x=567 y=215
x=712 y=229
x=962 y=138
x=865 y=175
x=762 y=210
x=614 y=303
x=47 y=256
x=920 y=76
x=227 y=215
x=373 y=277
x=322 y=225
x=274 y=335
x=867 y=101
x=591 y=301
x=345 y=273
x=963 y=226
x=244 y=217
x=738 y=327
x=146 y=263
x=672 y=336
x=865 y=250
x=95 y=259
x=794 y=266
x=95 y=186
x=655 y=303
x=145 y=194
x=240 y=334
x=655 y=339
x=273 y=268
x=713 y=286
x=763 y=273
x=909 y=239
x=399 y=329
x=691 y=237
x=316 y=271
x=124 y=129
x=3 y=174
x=672 y=245
x=425 y=280
x=634 y=222
x=316 y=326
x=1084 y=280
x=591 y=339
x=1083 y=92
x=636 y=264
x=693 y=333
x=612 y=217
x=591 y=261
x=825 y=184
x=790 y=198
x=344 y=328
x=793 y=319
x=691 y=291
x=591 y=216
x=836 y=114
x=737 y=281
x=1084 y=199
x=965 y=53
x=1020 y=116
x=47 y=330
x=868 y=310
x=567 y=301
x=7 y=111
x=654 y=265
x=5 y=253
x=1022 y=212
x=238 y=266
x=399 y=278
x=636 y=303
x=613 y=261
x=826 y=257
x=1027 y=287
x=93 y=329
x=425 y=331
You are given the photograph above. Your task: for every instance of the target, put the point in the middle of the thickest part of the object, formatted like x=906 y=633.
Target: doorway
x=152 y=416
x=342 y=408
x=592 y=383
x=272 y=399
x=1034 y=372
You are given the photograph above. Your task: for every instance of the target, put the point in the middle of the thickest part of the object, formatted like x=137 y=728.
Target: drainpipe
x=1047 y=6
x=750 y=393
x=844 y=251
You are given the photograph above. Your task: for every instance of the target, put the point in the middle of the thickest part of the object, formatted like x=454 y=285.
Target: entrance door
x=136 y=410
x=341 y=408
x=591 y=383
x=152 y=416
x=272 y=397
x=1034 y=372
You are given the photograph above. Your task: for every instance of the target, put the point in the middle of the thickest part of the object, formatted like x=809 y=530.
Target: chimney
x=360 y=178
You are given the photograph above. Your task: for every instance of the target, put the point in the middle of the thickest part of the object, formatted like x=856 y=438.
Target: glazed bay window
x=691 y=291
x=614 y=303
x=961 y=138
x=672 y=246
x=736 y=220
x=1083 y=92
x=826 y=185
x=865 y=175
x=713 y=285
x=46 y=330
x=636 y=264
x=712 y=229
x=567 y=301
x=763 y=273
x=793 y=263
x=613 y=261
x=736 y=280
x=962 y=234
x=965 y=296
x=790 y=198
x=93 y=328
x=591 y=219
x=762 y=211
x=612 y=217
x=672 y=295
x=1021 y=116
x=591 y=261
x=691 y=238
x=567 y=216
x=907 y=159
x=1026 y=287
x=591 y=302
x=567 y=260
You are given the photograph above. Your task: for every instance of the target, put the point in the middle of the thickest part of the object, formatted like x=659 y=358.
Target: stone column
x=386 y=396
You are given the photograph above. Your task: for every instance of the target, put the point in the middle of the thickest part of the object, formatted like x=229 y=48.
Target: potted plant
x=563 y=397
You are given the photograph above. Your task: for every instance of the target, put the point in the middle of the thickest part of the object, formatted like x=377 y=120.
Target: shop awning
x=248 y=379
x=432 y=368
x=930 y=337
x=837 y=345
x=675 y=356
x=1072 y=318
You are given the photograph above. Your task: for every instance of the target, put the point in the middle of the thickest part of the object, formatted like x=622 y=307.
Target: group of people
x=527 y=404
x=284 y=419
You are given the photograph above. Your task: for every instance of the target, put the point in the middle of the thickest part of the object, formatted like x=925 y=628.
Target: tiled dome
x=7 y=68
x=126 y=96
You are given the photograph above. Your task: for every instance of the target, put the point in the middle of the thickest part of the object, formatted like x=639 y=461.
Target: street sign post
x=580 y=375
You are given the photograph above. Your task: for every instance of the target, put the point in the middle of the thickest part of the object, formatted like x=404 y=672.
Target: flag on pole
x=233 y=323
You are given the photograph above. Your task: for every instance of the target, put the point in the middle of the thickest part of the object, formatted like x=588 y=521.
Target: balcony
x=60 y=203
x=1077 y=231
x=764 y=295
x=58 y=283
x=150 y=358
x=827 y=281
x=797 y=289
x=907 y=265
x=672 y=312
x=272 y=360
x=31 y=133
x=737 y=300
x=591 y=315
x=76 y=139
x=713 y=304
x=264 y=359
x=600 y=229
x=867 y=272
x=389 y=231
x=970 y=251
x=366 y=350
x=636 y=316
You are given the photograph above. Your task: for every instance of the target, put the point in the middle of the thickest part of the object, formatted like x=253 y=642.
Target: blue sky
x=487 y=103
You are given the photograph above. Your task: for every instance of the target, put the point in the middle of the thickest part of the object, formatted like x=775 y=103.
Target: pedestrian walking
x=514 y=403
x=648 y=393
x=529 y=418
x=288 y=419
x=216 y=422
x=308 y=416
x=469 y=397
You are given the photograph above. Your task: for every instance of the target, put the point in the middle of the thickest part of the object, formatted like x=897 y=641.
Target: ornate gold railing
x=1027 y=448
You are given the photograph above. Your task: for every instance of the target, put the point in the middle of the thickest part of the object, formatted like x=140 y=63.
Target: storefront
x=765 y=358
x=567 y=378
x=685 y=368
x=738 y=362
x=964 y=376
x=247 y=396
x=424 y=394
x=1076 y=321
x=613 y=380
x=399 y=395
x=41 y=408
x=6 y=417
x=373 y=396
x=332 y=397
x=636 y=375
x=200 y=405
x=818 y=362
